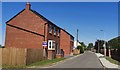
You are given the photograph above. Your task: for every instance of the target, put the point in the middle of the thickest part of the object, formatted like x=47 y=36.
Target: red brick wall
x=65 y=42
x=56 y=38
x=71 y=45
x=51 y=54
x=22 y=39
x=19 y=38
x=30 y=21
x=53 y=37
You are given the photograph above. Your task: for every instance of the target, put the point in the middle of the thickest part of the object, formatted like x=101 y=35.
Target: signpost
x=44 y=44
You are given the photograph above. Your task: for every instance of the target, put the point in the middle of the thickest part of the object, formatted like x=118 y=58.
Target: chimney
x=28 y=6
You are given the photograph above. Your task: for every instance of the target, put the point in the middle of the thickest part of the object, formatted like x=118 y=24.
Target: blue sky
x=0 y=23
x=88 y=17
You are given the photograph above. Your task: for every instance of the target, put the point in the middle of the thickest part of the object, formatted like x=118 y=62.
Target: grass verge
x=45 y=62
x=112 y=60
x=39 y=63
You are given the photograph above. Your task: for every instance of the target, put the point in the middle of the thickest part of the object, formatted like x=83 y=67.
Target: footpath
x=105 y=62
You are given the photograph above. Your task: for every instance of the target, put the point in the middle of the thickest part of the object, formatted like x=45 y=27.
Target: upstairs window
x=50 y=28
x=54 y=30
x=58 y=32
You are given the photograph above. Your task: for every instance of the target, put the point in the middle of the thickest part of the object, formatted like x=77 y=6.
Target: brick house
x=29 y=29
x=66 y=42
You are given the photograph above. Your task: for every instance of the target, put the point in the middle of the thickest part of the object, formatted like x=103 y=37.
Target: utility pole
x=77 y=38
x=77 y=35
x=98 y=46
x=104 y=45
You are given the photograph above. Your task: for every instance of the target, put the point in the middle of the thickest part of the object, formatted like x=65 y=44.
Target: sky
x=0 y=24
x=59 y=0
x=88 y=17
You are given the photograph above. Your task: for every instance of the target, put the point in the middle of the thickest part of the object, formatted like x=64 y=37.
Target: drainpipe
x=45 y=31
x=44 y=51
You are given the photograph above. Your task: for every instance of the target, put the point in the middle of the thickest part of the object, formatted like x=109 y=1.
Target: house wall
x=71 y=45
x=22 y=39
x=51 y=36
x=29 y=21
x=19 y=38
x=56 y=38
x=65 y=42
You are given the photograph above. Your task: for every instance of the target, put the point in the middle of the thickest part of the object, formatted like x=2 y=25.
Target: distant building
x=29 y=29
x=76 y=44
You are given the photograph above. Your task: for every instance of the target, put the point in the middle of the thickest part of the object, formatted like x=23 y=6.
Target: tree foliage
x=99 y=45
x=81 y=47
x=1 y=46
x=114 y=43
x=90 y=45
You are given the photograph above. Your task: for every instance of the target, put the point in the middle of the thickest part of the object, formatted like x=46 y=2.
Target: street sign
x=44 y=44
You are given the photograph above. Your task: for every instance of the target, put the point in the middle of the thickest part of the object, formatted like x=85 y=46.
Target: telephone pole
x=77 y=38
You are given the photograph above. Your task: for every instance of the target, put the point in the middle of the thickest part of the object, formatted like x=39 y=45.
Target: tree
x=90 y=45
x=114 y=43
x=81 y=47
x=99 y=45
x=1 y=46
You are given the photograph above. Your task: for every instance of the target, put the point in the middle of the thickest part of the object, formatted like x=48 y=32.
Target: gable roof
x=15 y=16
x=67 y=32
x=45 y=19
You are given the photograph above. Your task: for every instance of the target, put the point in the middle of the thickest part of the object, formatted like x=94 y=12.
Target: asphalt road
x=86 y=60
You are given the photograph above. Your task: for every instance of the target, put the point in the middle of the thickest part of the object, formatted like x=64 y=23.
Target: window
x=58 y=32
x=51 y=45
x=54 y=30
x=50 y=28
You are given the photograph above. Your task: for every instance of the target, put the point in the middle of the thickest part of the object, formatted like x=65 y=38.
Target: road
x=86 y=60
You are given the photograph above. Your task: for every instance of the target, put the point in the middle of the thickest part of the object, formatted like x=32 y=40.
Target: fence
x=115 y=54
x=20 y=56
x=76 y=51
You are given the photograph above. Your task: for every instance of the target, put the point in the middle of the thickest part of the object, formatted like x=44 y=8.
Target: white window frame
x=52 y=45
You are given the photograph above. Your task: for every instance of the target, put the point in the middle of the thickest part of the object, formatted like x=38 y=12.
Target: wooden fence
x=76 y=51
x=20 y=56
x=0 y=58
x=115 y=54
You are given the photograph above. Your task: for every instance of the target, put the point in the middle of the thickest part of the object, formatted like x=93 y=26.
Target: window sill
x=54 y=35
x=50 y=33
x=51 y=49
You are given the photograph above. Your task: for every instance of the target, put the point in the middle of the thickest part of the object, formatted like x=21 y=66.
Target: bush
x=81 y=48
